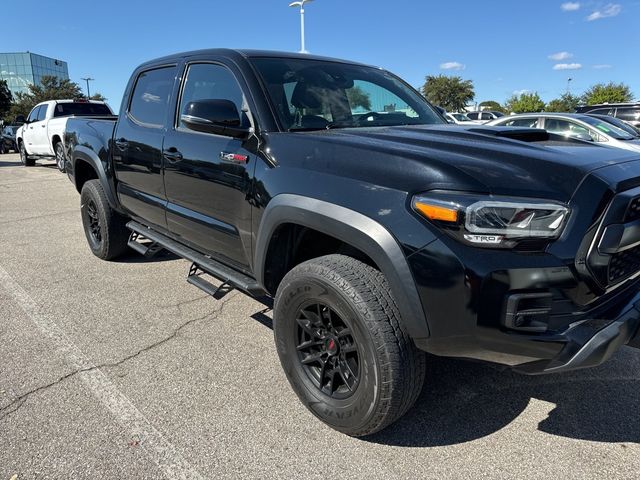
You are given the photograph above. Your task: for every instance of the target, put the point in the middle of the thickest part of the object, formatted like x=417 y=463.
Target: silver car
x=574 y=125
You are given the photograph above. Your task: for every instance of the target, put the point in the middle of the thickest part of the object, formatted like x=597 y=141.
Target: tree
x=607 y=93
x=492 y=105
x=566 y=103
x=5 y=98
x=525 y=103
x=50 y=88
x=99 y=97
x=451 y=93
x=358 y=98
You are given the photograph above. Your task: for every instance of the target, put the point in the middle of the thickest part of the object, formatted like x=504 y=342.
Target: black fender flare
x=84 y=154
x=354 y=229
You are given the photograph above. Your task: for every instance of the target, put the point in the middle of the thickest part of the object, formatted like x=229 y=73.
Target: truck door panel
x=137 y=146
x=207 y=187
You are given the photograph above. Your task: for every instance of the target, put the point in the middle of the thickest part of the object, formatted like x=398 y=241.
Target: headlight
x=494 y=221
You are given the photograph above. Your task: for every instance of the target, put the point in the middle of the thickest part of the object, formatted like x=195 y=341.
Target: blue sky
x=503 y=46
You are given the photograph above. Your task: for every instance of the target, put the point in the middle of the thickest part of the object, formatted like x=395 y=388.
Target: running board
x=137 y=242
x=208 y=265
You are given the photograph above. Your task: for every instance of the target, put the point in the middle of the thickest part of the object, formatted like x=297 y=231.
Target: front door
x=137 y=146
x=207 y=176
x=29 y=131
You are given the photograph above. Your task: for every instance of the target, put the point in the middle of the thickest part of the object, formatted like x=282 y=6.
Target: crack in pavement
x=19 y=401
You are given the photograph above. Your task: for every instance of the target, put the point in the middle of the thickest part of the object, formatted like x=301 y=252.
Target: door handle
x=172 y=154
x=43 y=126
x=122 y=144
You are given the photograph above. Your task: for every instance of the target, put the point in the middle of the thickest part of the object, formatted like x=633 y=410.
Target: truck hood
x=502 y=161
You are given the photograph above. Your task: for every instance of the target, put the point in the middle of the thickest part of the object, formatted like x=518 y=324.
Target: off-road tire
x=24 y=156
x=392 y=369
x=112 y=234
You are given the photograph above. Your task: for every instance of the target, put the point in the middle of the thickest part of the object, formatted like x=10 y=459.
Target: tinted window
x=42 y=113
x=150 y=98
x=210 y=82
x=80 y=109
x=34 y=114
x=601 y=111
x=629 y=114
x=472 y=115
x=522 y=122
x=568 y=129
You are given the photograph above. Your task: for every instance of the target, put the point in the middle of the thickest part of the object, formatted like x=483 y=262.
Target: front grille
x=610 y=266
x=633 y=212
x=624 y=264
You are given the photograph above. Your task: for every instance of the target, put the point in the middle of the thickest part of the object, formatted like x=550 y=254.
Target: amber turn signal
x=435 y=212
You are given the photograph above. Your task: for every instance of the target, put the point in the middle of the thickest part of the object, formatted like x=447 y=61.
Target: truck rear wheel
x=104 y=228
x=24 y=157
x=343 y=347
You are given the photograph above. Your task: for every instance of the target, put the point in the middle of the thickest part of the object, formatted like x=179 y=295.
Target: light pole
x=569 y=85
x=88 y=79
x=300 y=4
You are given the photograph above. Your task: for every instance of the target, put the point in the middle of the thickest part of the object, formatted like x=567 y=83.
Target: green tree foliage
x=450 y=93
x=359 y=98
x=50 y=88
x=492 y=105
x=607 y=93
x=566 y=103
x=5 y=98
x=99 y=97
x=525 y=103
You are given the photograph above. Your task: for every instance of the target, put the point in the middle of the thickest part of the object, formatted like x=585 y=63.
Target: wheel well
x=292 y=244
x=55 y=140
x=83 y=171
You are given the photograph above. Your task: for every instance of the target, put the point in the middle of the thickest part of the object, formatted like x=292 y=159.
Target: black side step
x=208 y=265
x=137 y=242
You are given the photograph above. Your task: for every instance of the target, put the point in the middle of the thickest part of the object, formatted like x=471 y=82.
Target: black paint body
x=451 y=295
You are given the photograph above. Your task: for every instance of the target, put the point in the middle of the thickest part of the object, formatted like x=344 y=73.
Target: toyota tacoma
x=379 y=232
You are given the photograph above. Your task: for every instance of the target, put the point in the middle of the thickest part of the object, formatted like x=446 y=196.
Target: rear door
x=208 y=176
x=137 y=145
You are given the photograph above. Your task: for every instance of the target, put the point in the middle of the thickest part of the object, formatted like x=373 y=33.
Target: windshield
x=631 y=130
x=608 y=128
x=314 y=95
x=81 y=109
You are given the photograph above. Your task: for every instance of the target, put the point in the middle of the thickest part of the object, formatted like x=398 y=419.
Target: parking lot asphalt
x=123 y=370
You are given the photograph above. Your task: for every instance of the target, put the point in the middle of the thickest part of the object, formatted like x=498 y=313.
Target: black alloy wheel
x=327 y=350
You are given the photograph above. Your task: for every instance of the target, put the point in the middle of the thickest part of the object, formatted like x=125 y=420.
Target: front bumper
x=591 y=343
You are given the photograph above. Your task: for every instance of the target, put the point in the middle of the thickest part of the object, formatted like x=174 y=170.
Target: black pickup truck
x=380 y=232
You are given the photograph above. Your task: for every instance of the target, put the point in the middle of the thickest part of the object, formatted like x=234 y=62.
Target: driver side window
x=33 y=116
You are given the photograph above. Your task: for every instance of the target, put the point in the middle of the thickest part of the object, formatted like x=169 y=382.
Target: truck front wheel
x=343 y=347
x=60 y=157
x=104 y=228
x=24 y=157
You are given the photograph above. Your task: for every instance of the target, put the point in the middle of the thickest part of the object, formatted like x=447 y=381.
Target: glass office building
x=22 y=69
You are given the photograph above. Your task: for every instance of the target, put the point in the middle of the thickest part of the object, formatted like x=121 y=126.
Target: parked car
x=42 y=134
x=8 y=138
x=574 y=125
x=379 y=236
x=629 y=112
x=460 y=119
x=485 y=115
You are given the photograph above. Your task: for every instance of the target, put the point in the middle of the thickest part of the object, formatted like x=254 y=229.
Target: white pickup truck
x=42 y=134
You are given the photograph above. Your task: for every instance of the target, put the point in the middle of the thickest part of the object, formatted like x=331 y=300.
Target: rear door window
x=151 y=95
x=522 y=122
x=568 y=129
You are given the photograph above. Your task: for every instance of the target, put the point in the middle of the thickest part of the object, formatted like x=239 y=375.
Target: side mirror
x=214 y=116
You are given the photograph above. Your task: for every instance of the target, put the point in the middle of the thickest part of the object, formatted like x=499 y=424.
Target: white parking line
x=159 y=450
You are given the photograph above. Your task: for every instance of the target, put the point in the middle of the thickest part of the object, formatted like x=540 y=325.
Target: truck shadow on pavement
x=463 y=401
